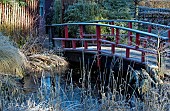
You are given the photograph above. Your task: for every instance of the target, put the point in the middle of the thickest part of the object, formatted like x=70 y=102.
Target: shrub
x=82 y=11
x=115 y=9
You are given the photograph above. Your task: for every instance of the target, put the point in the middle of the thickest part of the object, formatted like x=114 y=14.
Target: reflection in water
x=65 y=93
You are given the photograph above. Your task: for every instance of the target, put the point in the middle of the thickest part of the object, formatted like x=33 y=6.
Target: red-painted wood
x=149 y=30
x=130 y=25
x=137 y=40
x=130 y=34
x=143 y=57
x=81 y=31
x=98 y=34
x=127 y=52
x=117 y=36
x=66 y=31
x=63 y=43
x=113 y=48
x=129 y=40
x=85 y=45
x=66 y=36
x=112 y=29
x=74 y=44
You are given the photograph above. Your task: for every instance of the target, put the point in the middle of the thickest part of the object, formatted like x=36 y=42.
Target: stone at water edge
x=152 y=70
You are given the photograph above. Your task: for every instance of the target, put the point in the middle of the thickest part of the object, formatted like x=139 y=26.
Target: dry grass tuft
x=41 y=59
x=12 y=61
x=46 y=62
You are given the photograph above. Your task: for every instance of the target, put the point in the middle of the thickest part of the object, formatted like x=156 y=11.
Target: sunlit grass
x=12 y=61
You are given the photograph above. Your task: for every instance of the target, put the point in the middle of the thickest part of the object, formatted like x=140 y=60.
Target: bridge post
x=81 y=31
x=137 y=40
x=98 y=34
x=117 y=36
x=85 y=45
x=113 y=48
x=149 y=30
x=66 y=31
x=73 y=44
x=129 y=40
x=130 y=34
x=112 y=29
x=143 y=57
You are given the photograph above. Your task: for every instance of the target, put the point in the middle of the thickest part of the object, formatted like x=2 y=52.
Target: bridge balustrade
x=135 y=38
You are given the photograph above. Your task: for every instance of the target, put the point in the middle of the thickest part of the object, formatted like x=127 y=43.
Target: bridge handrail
x=113 y=26
x=134 y=21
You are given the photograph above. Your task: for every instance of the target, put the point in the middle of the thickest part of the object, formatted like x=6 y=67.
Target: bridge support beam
x=112 y=29
x=137 y=40
x=130 y=34
x=117 y=36
x=66 y=31
x=98 y=34
x=143 y=57
x=149 y=30
x=113 y=48
x=81 y=31
x=129 y=40
x=127 y=53
x=74 y=44
x=85 y=45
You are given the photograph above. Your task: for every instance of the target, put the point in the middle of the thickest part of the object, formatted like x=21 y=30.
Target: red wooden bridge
x=137 y=41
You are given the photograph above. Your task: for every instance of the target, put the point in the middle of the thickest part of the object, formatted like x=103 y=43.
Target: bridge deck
x=150 y=59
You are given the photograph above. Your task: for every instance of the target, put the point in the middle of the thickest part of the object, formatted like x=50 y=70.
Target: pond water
x=67 y=91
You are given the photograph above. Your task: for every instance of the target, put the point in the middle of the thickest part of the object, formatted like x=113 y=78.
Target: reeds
x=67 y=96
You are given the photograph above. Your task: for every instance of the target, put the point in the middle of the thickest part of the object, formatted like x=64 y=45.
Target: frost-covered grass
x=68 y=96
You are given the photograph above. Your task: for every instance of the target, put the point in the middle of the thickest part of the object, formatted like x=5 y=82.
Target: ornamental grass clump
x=12 y=61
x=40 y=59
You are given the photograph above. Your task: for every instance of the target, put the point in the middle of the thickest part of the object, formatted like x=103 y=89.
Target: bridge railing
x=149 y=27
x=115 y=30
x=131 y=23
